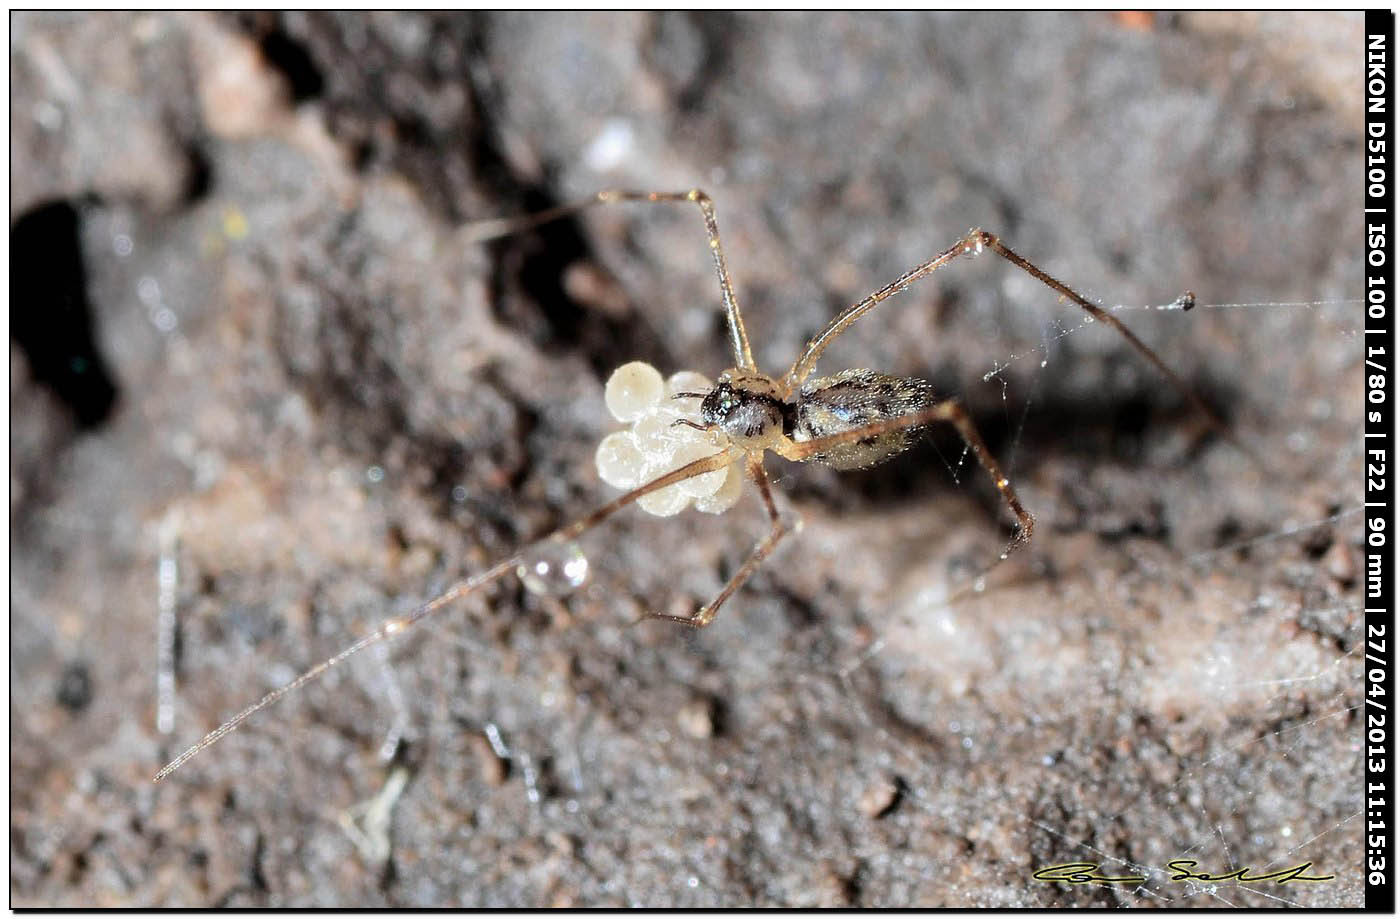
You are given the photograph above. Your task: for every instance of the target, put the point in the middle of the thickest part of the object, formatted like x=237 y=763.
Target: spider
x=850 y=420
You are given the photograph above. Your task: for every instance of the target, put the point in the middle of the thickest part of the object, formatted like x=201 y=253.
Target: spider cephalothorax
x=748 y=408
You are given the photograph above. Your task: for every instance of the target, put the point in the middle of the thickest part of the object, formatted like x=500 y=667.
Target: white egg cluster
x=655 y=445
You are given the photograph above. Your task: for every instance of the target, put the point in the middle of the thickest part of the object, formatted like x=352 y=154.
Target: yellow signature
x=1182 y=869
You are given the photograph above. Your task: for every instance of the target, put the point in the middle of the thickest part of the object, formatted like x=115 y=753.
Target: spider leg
x=949 y=410
x=484 y=230
x=398 y=624
x=972 y=244
x=803 y=366
x=705 y=615
x=981 y=238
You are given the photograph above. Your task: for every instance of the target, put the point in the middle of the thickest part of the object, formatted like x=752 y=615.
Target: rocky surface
x=259 y=381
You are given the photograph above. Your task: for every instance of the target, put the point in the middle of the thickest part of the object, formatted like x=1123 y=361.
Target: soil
x=261 y=385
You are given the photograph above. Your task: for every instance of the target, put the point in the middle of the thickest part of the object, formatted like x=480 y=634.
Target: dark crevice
x=853 y=885
x=535 y=262
x=200 y=177
x=257 y=878
x=393 y=115
x=388 y=877
x=51 y=316
x=290 y=58
x=528 y=418
x=75 y=687
x=716 y=32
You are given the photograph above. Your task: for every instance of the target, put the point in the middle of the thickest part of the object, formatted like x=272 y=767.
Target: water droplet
x=553 y=568
x=979 y=585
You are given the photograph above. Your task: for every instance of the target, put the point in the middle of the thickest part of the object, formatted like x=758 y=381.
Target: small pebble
x=493 y=768
x=585 y=283
x=1340 y=562
x=880 y=798
x=696 y=719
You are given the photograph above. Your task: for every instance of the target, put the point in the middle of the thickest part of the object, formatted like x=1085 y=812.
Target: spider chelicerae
x=849 y=420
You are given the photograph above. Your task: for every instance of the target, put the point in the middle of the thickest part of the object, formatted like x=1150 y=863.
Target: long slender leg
x=779 y=529
x=491 y=229
x=972 y=244
x=950 y=411
x=398 y=624
x=803 y=366
x=980 y=238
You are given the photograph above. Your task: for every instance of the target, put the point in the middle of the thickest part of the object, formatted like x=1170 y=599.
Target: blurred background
x=263 y=394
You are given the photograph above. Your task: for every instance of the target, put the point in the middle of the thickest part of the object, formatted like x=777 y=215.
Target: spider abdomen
x=855 y=398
